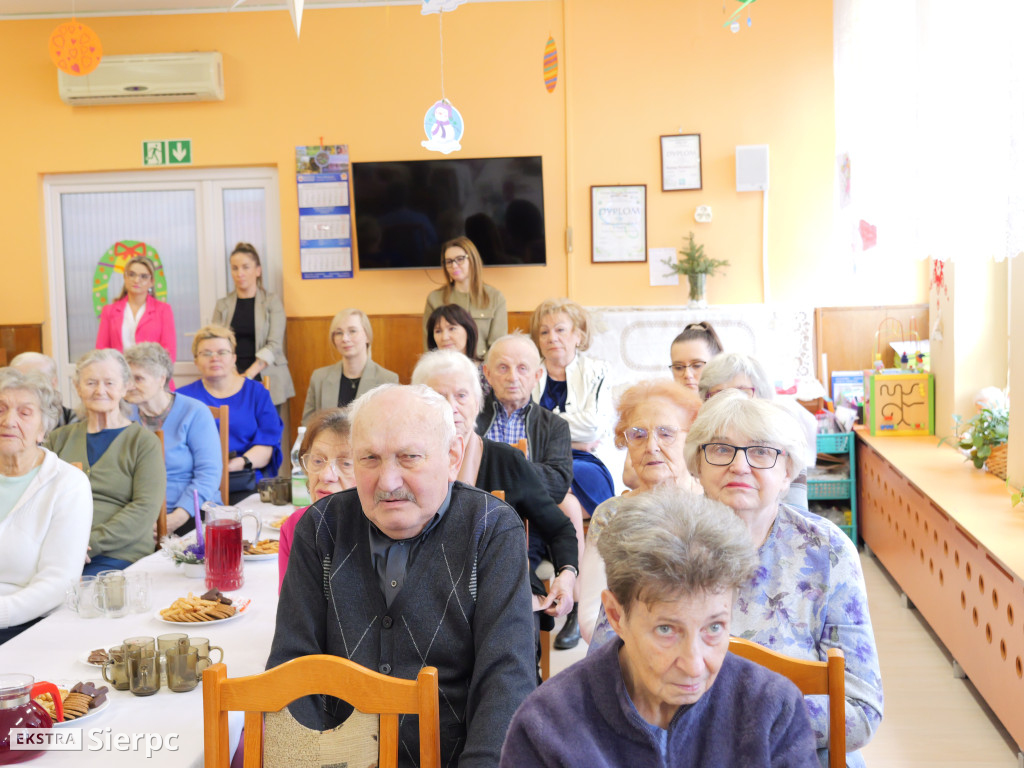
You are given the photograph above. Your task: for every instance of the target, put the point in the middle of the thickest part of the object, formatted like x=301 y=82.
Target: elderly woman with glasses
x=191 y=443
x=45 y=506
x=326 y=455
x=464 y=285
x=808 y=593
x=667 y=692
x=653 y=417
x=335 y=386
x=743 y=373
x=122 y=459
x=253 y=424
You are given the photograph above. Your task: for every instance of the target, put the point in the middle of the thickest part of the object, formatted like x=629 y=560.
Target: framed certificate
x=680 y=162
x=618 y=224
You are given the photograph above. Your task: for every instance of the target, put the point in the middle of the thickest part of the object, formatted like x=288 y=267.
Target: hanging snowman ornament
x=444 y=128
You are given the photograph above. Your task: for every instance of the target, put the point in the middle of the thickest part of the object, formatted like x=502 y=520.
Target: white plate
x=84 y=659
x=268 y=556
x=67 y=685
x=241 y=603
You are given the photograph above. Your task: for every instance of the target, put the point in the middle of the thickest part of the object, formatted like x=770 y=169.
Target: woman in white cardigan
x=45 y=506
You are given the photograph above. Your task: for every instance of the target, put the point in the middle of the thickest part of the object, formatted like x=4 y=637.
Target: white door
x=187 y=221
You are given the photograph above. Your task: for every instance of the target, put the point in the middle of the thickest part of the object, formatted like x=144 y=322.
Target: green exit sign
x=171 y=152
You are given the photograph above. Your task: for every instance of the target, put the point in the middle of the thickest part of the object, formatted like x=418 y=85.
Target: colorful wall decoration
x=114 y=260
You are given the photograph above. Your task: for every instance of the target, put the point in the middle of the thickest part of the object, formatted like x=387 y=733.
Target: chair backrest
x=366 y=690
x=523 y=446
x=221 y=413
x=161 y=521
x=811 y=677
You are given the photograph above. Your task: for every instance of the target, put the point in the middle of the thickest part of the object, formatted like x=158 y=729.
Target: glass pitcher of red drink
x=18 y=710
x=223 y=534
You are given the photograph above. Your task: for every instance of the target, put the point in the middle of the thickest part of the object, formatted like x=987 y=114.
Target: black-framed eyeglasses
x=460 y=260
x=758 y=456
x=665 y=435
x=694 y=365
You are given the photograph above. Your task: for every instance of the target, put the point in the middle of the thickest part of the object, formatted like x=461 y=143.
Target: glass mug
x=117 y=665
x=143 y=671
x=137 y=586
x=223 y=532
x=111 y=595
x=79 y=597
x=184 y=668
x=203 y=646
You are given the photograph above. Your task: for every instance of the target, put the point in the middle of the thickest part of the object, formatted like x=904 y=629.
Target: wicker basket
x=996 y=461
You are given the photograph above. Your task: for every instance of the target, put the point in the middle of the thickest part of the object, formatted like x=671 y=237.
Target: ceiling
x=62 y=9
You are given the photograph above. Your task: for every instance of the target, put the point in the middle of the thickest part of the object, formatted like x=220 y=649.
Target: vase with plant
x=983 y=438
x=187 y=552
x=693 y=263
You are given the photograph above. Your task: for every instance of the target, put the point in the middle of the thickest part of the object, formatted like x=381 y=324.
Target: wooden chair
x=811 y=677
x=364 y=689
x=523 y=446
x=161 y=521
x=545 y=636
x=221 y=413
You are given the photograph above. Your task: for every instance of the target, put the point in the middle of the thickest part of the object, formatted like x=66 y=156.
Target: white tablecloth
x=50 y=650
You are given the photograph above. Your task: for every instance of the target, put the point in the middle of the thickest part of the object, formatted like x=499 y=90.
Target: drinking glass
x=110 y=596
x=184 y=668
x=143 y=672
x=80 y=597
x=202 y=645
x=138 y=591
x=117 y=664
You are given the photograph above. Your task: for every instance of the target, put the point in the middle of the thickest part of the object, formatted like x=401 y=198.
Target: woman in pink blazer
x=137 y=316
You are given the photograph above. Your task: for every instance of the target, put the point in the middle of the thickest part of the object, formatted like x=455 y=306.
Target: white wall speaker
x=752 y=168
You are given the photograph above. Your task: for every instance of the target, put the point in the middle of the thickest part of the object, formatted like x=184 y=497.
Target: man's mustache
x=403 y=494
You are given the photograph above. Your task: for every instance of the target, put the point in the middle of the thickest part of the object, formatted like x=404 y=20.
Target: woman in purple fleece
x=667 y=692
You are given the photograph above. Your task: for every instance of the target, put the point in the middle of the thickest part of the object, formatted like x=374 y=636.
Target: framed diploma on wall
x=618 y=224
x=680 y=162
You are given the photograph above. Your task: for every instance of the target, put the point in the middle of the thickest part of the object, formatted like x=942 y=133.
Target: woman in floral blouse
x=808 y=592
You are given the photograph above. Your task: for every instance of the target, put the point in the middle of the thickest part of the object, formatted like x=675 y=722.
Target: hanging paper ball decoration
x=75 y=48
x=550 y=65
x=444 y=128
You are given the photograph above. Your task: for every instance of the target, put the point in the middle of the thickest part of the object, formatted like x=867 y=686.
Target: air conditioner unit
x=147 y=79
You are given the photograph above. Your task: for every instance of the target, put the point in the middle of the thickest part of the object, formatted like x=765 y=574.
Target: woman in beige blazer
x=257 y=318
x=335 y=386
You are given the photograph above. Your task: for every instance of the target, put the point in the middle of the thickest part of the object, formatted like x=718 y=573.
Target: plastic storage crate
x=846 y=489
x=838 y=442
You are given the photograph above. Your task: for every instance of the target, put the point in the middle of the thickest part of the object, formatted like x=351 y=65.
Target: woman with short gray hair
x=191 y=444
x=736 y=371
x=122 y=459
x=809 y=593
x=45 y=506
x=667 y=691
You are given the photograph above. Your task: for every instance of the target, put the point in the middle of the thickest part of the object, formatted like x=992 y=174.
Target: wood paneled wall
x=15 y=339
x=847 y=335
x=397 y=345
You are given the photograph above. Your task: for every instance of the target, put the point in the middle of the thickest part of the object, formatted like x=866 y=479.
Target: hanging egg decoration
x=550 y=65
x=75 y=48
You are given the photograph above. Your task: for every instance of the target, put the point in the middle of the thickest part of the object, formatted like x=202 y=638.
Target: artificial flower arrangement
x=183 y=550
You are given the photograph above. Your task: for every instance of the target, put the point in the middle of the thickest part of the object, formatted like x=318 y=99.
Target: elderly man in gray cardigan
x=412 y=569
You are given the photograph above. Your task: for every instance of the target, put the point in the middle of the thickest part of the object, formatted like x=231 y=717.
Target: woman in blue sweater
x=191 y=443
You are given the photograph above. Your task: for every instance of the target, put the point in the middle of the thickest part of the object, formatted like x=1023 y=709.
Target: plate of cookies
x=264 y=549
x=211 y=607
x=80 y=701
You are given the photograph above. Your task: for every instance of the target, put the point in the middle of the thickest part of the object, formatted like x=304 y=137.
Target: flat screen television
x=405 y=210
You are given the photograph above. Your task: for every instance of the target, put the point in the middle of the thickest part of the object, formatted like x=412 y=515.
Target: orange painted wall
x=630 y=71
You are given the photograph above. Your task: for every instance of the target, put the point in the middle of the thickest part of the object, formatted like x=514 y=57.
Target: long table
x=52 y=650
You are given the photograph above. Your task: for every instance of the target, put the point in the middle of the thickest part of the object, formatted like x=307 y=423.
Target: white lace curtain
x=930 y=111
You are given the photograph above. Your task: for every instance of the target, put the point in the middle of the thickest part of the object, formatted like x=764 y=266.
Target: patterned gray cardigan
x=465 y=608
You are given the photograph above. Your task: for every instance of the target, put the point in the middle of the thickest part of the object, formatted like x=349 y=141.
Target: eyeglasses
x=695 y=365
x=460 y=260
x=665 y=435
x=140 y=276
x=312 y=462
x=748 y=391
x=207 y=354
x=758 y=456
